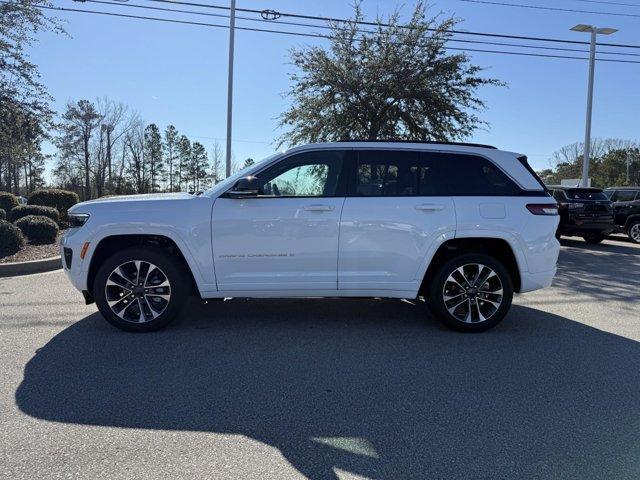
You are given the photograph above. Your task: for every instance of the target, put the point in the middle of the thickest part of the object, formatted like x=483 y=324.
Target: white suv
x=461 y=226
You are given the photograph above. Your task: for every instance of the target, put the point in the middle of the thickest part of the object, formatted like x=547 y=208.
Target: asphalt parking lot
x=326 y=389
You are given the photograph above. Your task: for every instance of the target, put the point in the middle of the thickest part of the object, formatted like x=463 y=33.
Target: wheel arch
x=108 y=245
x=635 y=217
x=498 y=248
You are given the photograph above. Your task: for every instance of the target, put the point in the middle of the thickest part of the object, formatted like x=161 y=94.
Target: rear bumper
x=536 y=281
x=583 y=227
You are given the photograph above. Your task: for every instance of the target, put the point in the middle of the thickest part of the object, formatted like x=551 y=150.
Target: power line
x=603 y=2
x=458 y=40
x=363 y=22
x=554 y=9
x=311 y=35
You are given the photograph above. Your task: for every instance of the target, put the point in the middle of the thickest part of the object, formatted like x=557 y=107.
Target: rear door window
x=396 y=173
x=624 y=196
x=470 y=175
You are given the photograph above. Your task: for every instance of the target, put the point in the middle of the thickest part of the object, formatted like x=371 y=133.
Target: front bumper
x=72 y=264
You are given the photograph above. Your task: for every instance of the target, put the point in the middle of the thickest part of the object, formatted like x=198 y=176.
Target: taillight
x=543 y=208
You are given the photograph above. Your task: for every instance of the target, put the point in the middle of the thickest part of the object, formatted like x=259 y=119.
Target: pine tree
x=184 y=159
x=199 y=166
x=78 y=124
x=170 y=148
x=153 y=154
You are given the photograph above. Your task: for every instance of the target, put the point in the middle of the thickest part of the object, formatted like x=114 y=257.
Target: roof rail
x=428 y=142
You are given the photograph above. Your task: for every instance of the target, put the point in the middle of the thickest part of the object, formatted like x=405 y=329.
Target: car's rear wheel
x=634 y=231
x=141 y=289
x=593 y=238
x=471 y=292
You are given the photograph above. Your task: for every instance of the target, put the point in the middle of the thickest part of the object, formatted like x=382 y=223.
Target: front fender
x=201 y=267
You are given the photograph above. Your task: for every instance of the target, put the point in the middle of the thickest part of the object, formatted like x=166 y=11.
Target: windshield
x=585 y=194
x=227 y=182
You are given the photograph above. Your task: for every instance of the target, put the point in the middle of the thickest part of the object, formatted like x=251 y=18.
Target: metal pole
x=628 y=164
x=232 y=25
x=587 y=133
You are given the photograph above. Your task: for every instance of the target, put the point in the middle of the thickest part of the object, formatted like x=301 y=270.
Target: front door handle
x=318 y=208
x=429 y=207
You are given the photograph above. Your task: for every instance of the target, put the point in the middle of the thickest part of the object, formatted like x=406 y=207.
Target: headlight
x=77 y=220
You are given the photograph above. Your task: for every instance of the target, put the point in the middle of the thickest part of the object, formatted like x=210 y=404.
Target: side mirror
x=245 y=187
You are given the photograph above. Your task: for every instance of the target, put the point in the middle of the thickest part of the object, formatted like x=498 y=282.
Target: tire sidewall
x=162 y=259
x=436 y=300
x=631 y=225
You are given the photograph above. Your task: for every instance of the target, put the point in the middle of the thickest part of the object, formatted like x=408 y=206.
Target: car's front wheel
x=471 y=292
x=141 y=289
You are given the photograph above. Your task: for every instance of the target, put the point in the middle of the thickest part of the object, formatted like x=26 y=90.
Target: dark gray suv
x=626 y=208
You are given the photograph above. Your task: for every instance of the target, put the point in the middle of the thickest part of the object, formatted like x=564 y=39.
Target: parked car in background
x=462 y=226
x=626 y=210
x=584 y=212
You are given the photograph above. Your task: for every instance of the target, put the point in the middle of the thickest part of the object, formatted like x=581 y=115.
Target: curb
x=33 y=266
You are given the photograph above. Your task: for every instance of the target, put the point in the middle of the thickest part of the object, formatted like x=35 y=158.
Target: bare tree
x=216 y=163
x=116 y=122
x=136 y=168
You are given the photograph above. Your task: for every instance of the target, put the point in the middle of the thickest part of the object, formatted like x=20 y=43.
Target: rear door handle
x=430 y=207
x=318 y=208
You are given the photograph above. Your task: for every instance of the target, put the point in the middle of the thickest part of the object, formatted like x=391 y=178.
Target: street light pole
x=587 y=130
x=232 y=27
x=594 y=31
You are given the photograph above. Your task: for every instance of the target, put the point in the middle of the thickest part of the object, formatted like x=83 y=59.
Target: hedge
x=24 y=210
x=8 y=201
x=38 y=229
x=11 y=239
x=61 y=200
x=3 y=214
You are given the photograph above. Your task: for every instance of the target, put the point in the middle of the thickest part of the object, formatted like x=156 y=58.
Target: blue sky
x=177 y=73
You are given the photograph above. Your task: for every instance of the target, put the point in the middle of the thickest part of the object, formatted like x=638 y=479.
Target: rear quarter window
x=471 y=175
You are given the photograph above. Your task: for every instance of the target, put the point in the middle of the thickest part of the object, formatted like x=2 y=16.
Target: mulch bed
x=35 y=252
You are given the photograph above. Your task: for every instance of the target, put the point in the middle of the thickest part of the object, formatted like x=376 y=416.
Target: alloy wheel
x=138 y=291
x=634 y=232
x=472 y=293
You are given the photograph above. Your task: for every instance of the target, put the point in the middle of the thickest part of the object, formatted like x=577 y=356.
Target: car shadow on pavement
x=608 y=272
x=611 y=245
x=373 y=387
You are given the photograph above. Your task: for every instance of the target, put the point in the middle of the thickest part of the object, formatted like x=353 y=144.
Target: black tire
x=633 y=227
x=436 y=293
x=593 y=238
x=169 y=267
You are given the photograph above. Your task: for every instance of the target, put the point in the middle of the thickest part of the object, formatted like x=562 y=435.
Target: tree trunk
x=170 y=169
x=110 y=182
x=87 y=181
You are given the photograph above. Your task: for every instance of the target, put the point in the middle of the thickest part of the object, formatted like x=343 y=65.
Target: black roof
x=428 y=142
x=622 y=188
